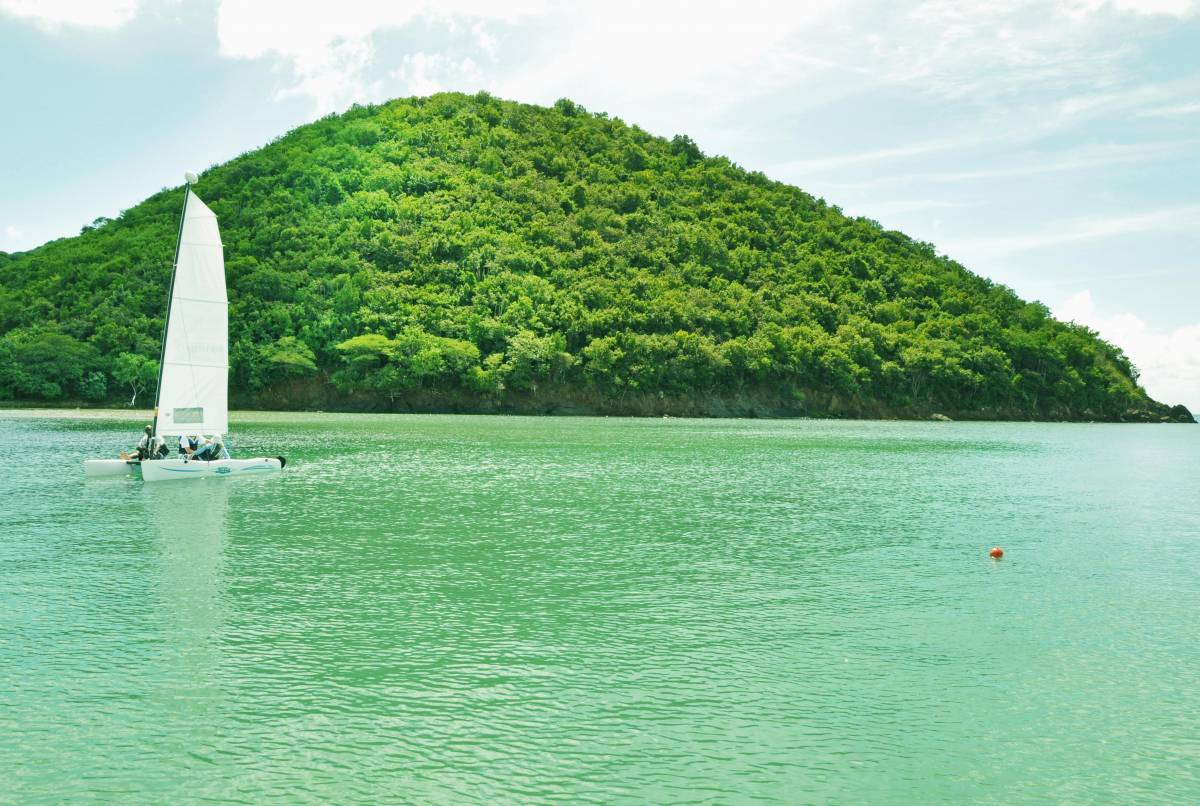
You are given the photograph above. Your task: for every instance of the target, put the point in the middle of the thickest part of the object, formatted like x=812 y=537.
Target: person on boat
x=188 y=445
x=203 y=448
x=158 y=448
x=211 y=448
x=142 y=450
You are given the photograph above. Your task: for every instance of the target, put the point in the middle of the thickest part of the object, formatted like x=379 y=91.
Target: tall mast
x=162 y=355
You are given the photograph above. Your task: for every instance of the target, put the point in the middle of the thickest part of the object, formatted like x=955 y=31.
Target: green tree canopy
x=465 y=252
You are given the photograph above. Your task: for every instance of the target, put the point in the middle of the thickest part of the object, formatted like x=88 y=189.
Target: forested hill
x=464 y=253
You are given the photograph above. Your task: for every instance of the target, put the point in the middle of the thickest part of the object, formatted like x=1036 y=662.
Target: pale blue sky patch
x=1051 y=146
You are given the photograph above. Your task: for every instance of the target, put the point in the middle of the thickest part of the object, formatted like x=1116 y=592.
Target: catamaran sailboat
x=193 y=375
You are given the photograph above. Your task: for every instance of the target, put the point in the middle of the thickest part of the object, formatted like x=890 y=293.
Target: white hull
x=94 y=468
x=176 y=468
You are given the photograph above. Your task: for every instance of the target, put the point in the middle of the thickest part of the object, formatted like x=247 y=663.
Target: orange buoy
x=996 y=553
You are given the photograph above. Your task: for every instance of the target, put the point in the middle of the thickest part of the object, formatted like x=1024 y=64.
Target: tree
x=531 y=359
x=94 y=386
x=365 y=358
x=52 y=365
x=286 y=357
x=135 y=372
x=11 y=376
x=412 y=360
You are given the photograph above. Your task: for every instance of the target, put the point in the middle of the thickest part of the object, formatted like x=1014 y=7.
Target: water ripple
x=470 y=609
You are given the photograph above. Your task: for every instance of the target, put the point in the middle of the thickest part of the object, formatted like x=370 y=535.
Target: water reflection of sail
x=192 y=534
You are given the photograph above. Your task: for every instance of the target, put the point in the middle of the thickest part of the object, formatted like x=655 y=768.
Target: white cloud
x=618 y=55
x=53 y=15
x=916 y=206
x=978 y=52
x=1169 y=360
x=1078 y=159
x=822 y=164
x=1168 y=8
x=424 y=73
x=1172 y=111
x=1159 y=99
x=1083 y=228
x=327 y=47
x=707 y=58
x=704 y=54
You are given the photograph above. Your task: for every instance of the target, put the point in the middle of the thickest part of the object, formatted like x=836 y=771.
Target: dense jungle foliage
x=466 y=253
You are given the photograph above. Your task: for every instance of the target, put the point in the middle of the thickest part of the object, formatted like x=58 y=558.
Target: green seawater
x=445 y=609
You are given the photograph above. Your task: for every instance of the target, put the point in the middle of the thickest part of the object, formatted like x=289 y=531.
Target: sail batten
x=193 y=394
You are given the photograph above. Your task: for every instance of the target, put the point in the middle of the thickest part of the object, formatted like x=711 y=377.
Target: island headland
x=465 y=253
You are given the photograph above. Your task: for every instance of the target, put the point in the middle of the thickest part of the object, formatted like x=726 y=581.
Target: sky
x=1050 y=146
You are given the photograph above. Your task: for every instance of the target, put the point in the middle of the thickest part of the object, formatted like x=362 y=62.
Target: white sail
x=193 y=394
